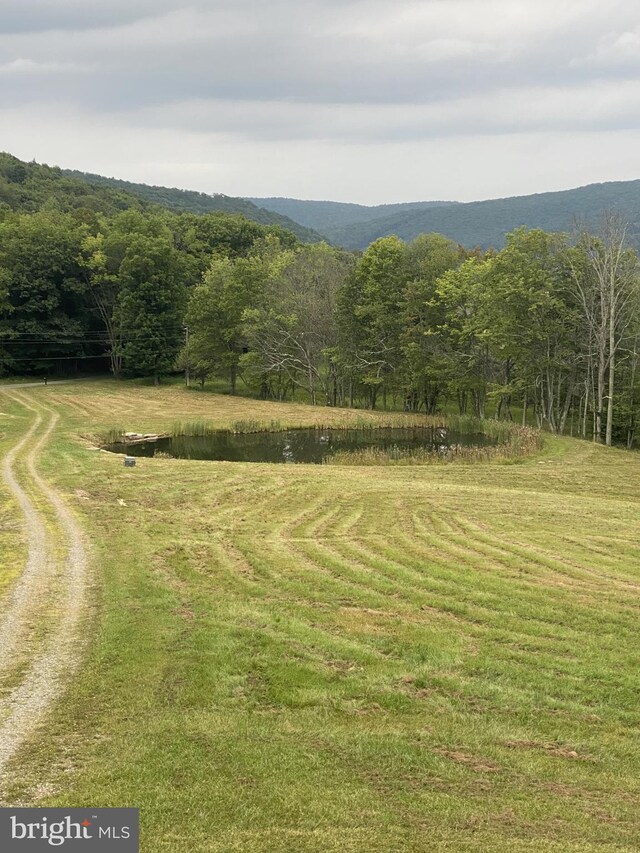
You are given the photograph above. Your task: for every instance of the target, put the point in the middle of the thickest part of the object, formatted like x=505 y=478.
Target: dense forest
x=190 y=201
x=89 y=272
x=482 y=223
x=94 y=279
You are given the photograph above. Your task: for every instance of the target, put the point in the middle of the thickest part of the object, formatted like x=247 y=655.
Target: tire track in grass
x=21 y=603
x=61 y=580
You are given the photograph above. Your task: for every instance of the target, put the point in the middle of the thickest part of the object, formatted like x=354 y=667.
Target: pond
x=299 y=445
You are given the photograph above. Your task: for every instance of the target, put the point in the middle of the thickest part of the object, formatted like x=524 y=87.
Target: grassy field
x=310 y=658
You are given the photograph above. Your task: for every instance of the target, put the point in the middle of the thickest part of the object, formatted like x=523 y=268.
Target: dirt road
x=41 y=637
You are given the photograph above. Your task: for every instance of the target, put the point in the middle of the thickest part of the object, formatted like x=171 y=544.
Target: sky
x=369 y=101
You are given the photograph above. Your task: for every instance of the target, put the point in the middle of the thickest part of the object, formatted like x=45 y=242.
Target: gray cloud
x=337 y=76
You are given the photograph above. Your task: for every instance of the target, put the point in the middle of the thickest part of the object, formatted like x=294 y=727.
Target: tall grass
x=199 y=429
x=500 y=431
x=512 y=442
x=205 y=428
x=202 y=429
x=112 y=435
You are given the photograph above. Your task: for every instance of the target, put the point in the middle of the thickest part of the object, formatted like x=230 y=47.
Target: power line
x=31 y=337
x=23 y=341
x=93 y=333
x=62 y=358
x=98 y=331
x=78 y=342
x=97 y=339
x=51 y=333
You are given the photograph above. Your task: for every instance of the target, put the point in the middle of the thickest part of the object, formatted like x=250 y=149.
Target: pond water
x=299 y=445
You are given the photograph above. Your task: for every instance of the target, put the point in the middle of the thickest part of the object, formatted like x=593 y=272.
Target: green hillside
x=30 y=187
x=327 y=216
x=197 y=202
x=485 y=223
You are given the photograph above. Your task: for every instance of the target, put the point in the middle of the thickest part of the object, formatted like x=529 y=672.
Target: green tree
x=529 y=321
x=102 y=254
x=150 y=306
x=103 y=285
x=369 y=314
x=45 y=317
x=425 y=360
x=294 y=328
x=461 y=292
x=215 y=317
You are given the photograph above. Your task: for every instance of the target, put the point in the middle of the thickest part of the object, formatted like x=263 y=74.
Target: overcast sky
x=354 y=100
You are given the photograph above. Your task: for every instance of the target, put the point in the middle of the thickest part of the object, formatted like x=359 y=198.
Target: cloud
x=28 y=16
x=30 y=66
x=597 y=107
x=614 y=50
x=355 y=76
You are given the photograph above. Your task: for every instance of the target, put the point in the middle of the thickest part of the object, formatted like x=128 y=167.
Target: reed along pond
x=301 y=445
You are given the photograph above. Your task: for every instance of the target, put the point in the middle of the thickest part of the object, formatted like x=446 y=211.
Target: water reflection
x=299 y=445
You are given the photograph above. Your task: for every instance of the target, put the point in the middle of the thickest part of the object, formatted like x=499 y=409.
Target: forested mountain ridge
x=90 y=273
x=192 y=201
x=327 y=216
x=30 y=187
x=481 y=223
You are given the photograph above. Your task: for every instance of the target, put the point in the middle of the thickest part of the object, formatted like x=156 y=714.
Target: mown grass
x=311 y=658
x=98 y=408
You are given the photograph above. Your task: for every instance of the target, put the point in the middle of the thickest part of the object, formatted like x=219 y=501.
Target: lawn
x=326 y=658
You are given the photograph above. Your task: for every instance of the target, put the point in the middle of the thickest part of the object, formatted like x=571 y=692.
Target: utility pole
x=186 y=349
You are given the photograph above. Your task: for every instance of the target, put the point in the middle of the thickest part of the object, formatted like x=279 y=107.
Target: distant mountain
x=28 y=187
x=329 y=216
x=485 y=223
x=197 y=202
x=481 y=223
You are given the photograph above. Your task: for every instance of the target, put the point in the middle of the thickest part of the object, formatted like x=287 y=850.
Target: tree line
x=78 y=288
x=549 y=325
